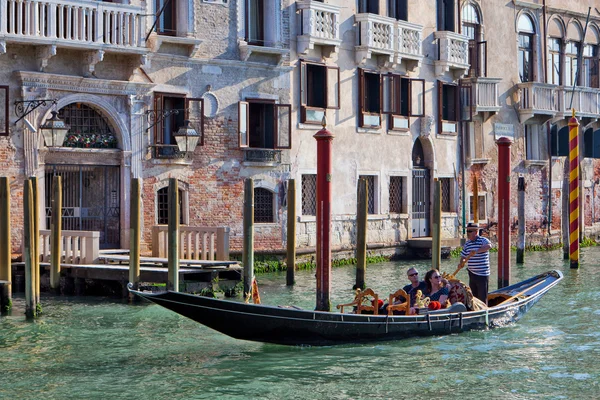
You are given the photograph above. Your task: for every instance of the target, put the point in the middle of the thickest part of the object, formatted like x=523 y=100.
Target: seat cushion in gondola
x=460 y=293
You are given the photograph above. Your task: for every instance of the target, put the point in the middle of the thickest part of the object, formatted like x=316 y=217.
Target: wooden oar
x=462 y=264
x=520 y=293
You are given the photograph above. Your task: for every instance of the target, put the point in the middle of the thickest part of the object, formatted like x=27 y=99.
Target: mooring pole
x=55 y=234
x=248 y=255
x=28 y=248
x=36 y=235
x=521 y=210
x=504 y=144
x=475 y=199
x=5 y=246
x=362 y=207
x=574 y=191
x=291 y=232
x=173 y=236
x=134 y=236
x=324 y=139
x=436 y=235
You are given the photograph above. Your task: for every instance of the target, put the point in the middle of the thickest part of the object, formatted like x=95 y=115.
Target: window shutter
x=332 y=88
x=243 y=123
x=416 y=97
x=388 y=105
x=482 y=58
x=465 y=103
x=440 y=106
x=303 y=84
x=194 y=112
x=361 y=97
x=158 y=109
x=4 y=111
x=283 y=126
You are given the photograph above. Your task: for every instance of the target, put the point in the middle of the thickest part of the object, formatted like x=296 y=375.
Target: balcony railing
x=585 y=101
x=537 y=98
x=319 y=25
x=262 y=156
x=484 y=92
x=68 y=23
x=169 y=152
x=453 y=53
x=396 y=41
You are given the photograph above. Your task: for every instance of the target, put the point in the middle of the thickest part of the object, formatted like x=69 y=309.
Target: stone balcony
x=537 y=99
x=484 y=95
x=453 y=54
x=91 y=26
x=585 y=101
x=393 y=42
x=319 y=26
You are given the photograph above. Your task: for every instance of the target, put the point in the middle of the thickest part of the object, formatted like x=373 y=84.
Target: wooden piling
x=36 y=236
x=5 y=245
x=173 y=236
x=248 y=255
x=28 y=248
x=436 y=235
x=56 y=234
x=362 y=206
x=521 y=219
x=291 y=232
x=475 y=199
x=134 y=236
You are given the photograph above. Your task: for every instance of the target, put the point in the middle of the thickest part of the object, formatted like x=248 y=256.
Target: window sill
x=171 y=161
x=265 y=164
x=480 y=161
x=246 y=51
x=448 y=135
x=535 y=163
x=374 y=130
x=309 y=126
x=398 y=132
x=307 y=218
x=156 y=41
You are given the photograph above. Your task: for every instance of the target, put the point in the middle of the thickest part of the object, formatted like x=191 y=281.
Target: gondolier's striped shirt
x=479 y=264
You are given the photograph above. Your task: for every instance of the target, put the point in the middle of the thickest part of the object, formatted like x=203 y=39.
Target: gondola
x=293 y=326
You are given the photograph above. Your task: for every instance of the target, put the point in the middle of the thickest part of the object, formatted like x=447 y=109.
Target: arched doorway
x=91 y=190
x=421 y=183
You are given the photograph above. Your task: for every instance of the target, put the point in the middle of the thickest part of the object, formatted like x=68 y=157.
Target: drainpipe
x=545 y=58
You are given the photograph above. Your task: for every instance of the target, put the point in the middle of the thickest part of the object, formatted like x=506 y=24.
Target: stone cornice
x=80 y=84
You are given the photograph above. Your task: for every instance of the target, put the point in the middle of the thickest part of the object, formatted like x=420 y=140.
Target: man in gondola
x=478 y=248
x=415 y=285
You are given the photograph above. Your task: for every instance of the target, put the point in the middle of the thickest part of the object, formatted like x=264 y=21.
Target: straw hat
x=472 y=226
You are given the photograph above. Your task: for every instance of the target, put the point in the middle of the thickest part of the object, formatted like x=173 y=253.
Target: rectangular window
x=370 y=99
x=171 y=108
x=559 y=141
x=480 y=208
x=309 y=194
x=255 y=23
x=445 y=15
x=4 y=110
x=397 y=185
x=474 y=140
x=162 y=206
x=553 y=63
x=264 y=206
x=320 y=90
x=477 y=58
x=591 y=143
x=264 y=124
x=448 y=108
x=167 y=21
x=398 y=9
x=534 y=142
x=368 y=6
x=447 y=185
x=589 y=73
x=371 y=190
x=571 y=52
x=402 y=98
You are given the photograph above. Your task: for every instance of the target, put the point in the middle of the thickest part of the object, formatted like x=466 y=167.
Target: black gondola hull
x=290 y=326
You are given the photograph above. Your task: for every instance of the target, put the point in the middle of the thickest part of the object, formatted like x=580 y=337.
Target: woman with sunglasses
x=435 y=290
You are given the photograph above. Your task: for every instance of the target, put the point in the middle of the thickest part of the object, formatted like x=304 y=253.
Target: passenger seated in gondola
x=435 y=290
x=415 y=284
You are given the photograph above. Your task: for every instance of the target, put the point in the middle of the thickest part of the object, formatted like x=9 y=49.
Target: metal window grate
x=446 y=184
x=371 y=188
x=309 y=194
x=88 y=128
x=396 y=187
x=263 y=206
x=162 y=206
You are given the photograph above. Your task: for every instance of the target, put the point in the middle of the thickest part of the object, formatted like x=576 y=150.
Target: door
x=420 y=206
x=91 y=200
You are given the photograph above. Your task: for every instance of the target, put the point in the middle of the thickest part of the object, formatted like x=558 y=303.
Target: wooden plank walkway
x=107 y=258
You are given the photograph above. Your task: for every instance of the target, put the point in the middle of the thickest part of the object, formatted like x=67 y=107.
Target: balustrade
x=453 y=53
x=195 y=242
x=80 y=247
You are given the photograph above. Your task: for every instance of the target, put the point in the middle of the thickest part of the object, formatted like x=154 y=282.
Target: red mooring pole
x=503 y=211
x=574 y=191
x=324 y=139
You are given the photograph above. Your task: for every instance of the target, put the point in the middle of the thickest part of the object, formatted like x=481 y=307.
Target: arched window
x=162 y=206
x=589 y=69
x=526 y=31
x=264 y=206
x=89 y=129
x=572 y=49
x=553 y=64
x=471 y=27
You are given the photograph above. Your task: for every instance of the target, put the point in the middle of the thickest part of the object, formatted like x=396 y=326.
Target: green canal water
x=95 y=348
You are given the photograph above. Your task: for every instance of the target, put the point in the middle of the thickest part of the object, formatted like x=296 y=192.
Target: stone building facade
x=413 y=91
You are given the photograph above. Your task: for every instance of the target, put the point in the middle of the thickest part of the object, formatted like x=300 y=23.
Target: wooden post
x=173 y=236
x=291 y=232
x=504 y=169
x=134 y=236
x=36 y=236
x=574 y=191
x=28 y=244
x=248 y=255
x=475 y=200
x=521 y=217
x=5 y=245
x=362 y=207
x=56 y=234
x=436 y=236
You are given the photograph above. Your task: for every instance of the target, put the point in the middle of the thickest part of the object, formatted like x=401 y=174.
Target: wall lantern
x=187 y=138
x=54 y=131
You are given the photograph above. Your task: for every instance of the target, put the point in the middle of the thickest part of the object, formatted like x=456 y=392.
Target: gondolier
x=478 y=248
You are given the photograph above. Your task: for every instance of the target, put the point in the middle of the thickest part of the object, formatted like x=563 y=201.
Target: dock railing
x=78 y=247
x=195 y=242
